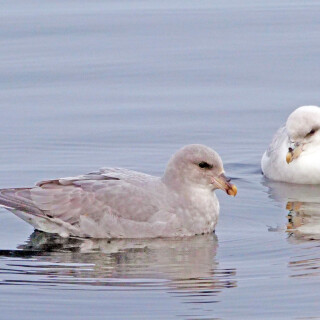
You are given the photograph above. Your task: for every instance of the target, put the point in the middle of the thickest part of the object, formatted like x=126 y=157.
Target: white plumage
x=294 y=153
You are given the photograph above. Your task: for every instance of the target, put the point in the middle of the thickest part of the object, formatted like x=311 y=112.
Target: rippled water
x=91 y=84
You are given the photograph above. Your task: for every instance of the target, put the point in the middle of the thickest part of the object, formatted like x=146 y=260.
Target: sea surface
x=86 y=84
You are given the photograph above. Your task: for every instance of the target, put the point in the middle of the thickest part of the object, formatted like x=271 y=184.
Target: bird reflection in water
x=304 y=224
x=304 y=219
x=303 y=204
x=185 y=267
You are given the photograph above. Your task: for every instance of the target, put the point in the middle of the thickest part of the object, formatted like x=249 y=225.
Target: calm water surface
x=108 y=83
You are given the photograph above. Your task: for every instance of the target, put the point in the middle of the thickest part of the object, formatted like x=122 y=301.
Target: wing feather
x=277 y=142
x=115 y=192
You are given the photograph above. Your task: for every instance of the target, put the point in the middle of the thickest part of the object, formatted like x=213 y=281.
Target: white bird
x=294 y=153
x=120 y=203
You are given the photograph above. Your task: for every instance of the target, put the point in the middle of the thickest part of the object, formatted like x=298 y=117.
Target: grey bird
x=121 y=203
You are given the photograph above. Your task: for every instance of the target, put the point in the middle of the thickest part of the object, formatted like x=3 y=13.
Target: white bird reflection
x=184 y=265
x=303 y=204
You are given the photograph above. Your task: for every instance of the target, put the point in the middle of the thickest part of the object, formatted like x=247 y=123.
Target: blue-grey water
x=126 y=83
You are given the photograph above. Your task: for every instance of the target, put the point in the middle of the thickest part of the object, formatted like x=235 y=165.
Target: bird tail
x=19 y=199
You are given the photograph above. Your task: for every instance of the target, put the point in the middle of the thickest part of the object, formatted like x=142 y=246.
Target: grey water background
x=108 y=83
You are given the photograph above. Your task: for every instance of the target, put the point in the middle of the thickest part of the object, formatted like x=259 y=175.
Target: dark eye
x=205 y=165
x=311 y=133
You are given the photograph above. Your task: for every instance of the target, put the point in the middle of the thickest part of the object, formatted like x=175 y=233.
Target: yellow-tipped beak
x=223 y=183
x=293 y=153
x=289 y=157
x=232 y=191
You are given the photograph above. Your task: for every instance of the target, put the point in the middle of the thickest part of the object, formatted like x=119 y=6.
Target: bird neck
x=174 y=178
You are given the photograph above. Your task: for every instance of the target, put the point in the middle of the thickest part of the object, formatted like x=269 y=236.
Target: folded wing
x=115 y=192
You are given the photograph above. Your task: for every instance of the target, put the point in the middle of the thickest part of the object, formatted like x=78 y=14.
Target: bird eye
x=205 y=165
x=311 y=133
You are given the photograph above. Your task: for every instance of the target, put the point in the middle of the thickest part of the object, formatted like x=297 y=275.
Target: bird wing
x=121 y=193
x=277 y=142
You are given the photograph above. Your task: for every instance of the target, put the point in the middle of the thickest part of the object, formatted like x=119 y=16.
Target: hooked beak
x=222 y=182
x=294 y=152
